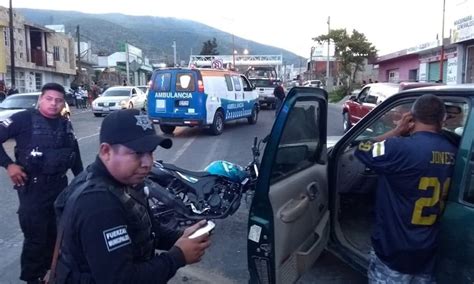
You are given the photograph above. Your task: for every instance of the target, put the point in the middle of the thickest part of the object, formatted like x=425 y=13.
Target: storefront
x=463 y=35
x=430 y=62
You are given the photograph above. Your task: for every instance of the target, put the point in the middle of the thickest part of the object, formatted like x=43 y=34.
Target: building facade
x=41 y=54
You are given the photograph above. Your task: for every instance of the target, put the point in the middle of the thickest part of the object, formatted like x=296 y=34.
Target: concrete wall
x=403 y=64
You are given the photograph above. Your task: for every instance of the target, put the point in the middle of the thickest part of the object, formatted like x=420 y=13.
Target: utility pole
x=79 y=68
x=441 y=62
x=12 y=47
x=233 y=52
x=174 y=53
x=127 y=59
x=328 y=85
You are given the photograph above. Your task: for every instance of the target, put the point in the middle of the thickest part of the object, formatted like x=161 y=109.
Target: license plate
x=106 y=109
x=183 y=103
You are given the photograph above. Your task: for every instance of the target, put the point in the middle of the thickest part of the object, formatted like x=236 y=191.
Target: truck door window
x=363 y=95
x=299 y=143
x=185 y=82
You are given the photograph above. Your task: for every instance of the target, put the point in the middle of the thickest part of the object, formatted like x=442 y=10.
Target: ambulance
x=200 y=97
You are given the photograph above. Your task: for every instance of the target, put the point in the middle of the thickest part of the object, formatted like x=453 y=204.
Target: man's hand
x=405 y=124
x=16 y=174
x=193 y=249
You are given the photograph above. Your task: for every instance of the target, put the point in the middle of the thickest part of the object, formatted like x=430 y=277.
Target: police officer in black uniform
x=106 y=234
x=45 y=149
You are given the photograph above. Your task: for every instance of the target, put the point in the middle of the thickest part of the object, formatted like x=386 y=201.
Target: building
x=461 y=68
x=139 y=67
x=41 y=55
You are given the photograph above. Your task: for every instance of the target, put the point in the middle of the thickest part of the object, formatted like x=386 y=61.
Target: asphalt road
x=226 y=260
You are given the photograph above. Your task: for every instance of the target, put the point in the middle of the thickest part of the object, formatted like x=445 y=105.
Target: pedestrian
x=95 y=91
x=79 y=94
x=45 y=149
x=279 y=94
x=85 y=97
x=370 y=81
x=108 y=234
x=415 y=163
x=13 y=90
x=3 y=90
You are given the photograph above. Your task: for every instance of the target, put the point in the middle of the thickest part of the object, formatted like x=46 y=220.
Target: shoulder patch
x=365 y=146
x=6 y=122
x=378 y=149
x=116 y=238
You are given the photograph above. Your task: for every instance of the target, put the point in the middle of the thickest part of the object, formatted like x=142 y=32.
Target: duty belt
x=46 y=178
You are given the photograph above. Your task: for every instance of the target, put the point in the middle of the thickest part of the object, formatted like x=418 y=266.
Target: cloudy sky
x=389 y=25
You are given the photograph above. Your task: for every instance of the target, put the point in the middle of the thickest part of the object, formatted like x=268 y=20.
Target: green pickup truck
x=311 y=197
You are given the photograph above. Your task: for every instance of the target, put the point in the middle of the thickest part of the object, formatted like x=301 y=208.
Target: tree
x=350 y=50
x=209 y=47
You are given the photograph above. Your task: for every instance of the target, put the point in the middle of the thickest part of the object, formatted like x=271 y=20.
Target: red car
x=357 y=106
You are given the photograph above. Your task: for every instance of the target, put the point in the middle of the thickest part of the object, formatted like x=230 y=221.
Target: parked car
x=145 y=90
x=115 y=98
x=310 y=198
x=19 y=102
x=313 y=83
x=359 y=105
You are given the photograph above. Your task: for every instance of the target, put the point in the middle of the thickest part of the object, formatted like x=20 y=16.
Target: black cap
x=132 y=129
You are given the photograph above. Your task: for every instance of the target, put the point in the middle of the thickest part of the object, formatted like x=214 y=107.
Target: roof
x=445 y=88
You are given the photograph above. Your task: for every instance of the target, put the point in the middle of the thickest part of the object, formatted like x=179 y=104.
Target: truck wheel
x=217 y=126
x=167 y=129
x=346 y=123
x=254 y=116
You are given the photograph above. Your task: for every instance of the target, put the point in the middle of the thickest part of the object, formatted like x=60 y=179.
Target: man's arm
x=77 y=167
x=165 y=237
x=105 y=239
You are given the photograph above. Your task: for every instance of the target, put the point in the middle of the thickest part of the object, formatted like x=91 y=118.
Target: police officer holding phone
x=45 y=149
x=106 y=231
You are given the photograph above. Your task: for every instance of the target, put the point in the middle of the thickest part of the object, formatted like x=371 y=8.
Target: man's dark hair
x=429 y=109
x=54 y=87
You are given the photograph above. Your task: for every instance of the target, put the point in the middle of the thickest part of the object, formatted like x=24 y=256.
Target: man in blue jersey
x=414 y=162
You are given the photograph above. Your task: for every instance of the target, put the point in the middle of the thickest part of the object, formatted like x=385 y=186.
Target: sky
x=288 y=24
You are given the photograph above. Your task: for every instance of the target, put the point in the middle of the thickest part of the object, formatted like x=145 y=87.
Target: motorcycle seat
x=186 y=172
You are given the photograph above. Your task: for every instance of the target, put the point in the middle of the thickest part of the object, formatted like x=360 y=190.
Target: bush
x=337 y=95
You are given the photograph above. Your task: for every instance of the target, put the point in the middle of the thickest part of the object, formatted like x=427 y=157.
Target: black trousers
x=38 y=224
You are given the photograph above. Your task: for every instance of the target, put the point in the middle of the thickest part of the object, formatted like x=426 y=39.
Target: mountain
x=154 y=35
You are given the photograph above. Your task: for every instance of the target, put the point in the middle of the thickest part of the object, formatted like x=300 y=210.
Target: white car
x=19 y=102
x=116 y=98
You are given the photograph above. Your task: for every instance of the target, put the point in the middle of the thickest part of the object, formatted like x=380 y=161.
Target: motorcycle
x=179 y=197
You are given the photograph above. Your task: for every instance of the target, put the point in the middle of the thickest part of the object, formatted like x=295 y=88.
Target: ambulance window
x=184 y=82
x=237 y=85
x=228 y=81
x=162 y=82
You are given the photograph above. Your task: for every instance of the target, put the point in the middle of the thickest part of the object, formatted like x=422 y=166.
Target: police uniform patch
x=378 y=149
x=116 y=238
x=6 y=122
x=144 y=122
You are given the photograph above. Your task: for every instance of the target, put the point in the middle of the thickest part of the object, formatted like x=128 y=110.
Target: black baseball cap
x=132 y=129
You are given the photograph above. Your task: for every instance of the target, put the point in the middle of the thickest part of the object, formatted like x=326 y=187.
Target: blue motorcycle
x=179 y=197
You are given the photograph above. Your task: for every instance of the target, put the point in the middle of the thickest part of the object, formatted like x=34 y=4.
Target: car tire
x=130 y=105
x=273 y=106
x=167 y=129
x=346 y=123
x=217 y=126
x=254 y=116
x=97 y=114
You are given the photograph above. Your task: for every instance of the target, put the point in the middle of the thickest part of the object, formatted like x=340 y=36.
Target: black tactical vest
x=51 y=151
x=139 y=226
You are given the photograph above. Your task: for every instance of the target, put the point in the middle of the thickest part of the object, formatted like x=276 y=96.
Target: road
x=226 y=260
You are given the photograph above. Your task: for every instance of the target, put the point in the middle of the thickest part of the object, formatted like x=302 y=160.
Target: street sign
x=217 y=63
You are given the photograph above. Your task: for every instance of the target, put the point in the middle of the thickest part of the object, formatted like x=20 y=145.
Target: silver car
x=116 y=98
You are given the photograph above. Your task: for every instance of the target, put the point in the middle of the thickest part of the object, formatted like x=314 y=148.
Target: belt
x=46 y=178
